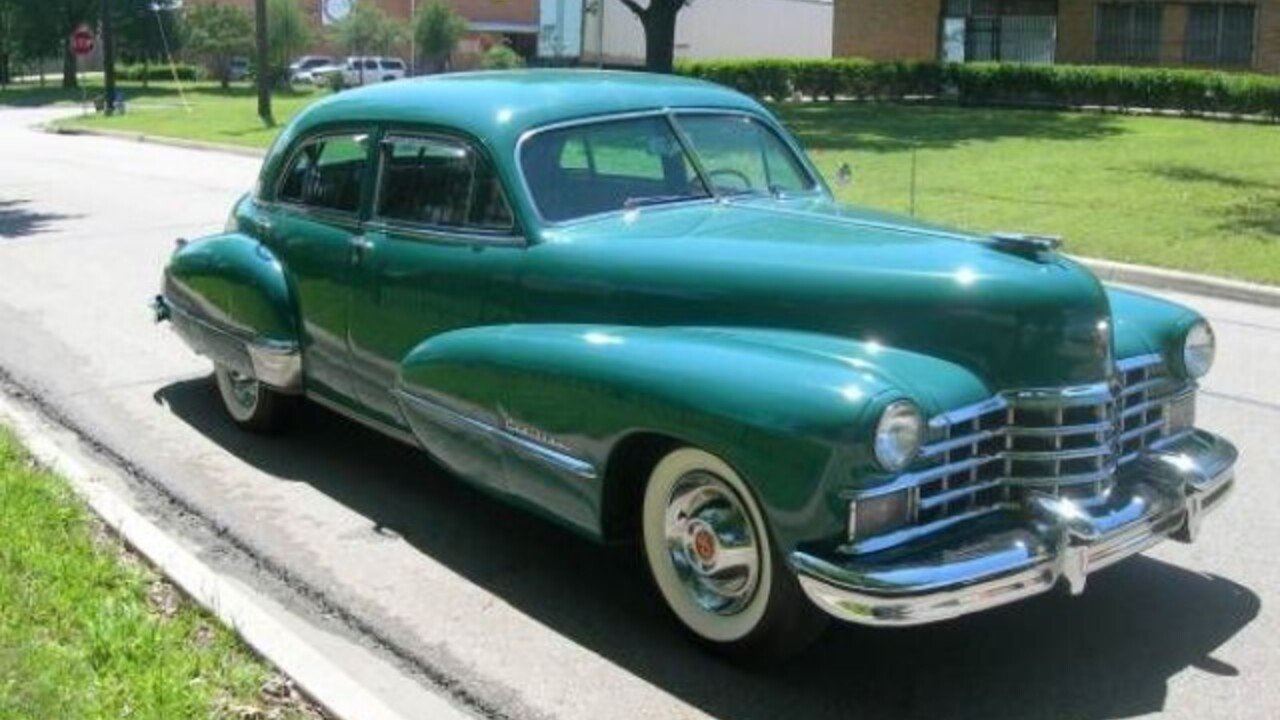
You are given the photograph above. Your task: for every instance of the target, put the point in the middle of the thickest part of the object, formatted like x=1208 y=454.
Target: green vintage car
x=630 y=304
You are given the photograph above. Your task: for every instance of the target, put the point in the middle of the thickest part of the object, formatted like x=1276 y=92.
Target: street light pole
x=108 y=60
x=413 y=37
x=264 y=62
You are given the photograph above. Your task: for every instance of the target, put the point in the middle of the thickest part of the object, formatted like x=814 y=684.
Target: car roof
x=497 y=107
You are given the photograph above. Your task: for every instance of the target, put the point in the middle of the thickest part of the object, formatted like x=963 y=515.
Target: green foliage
x=158 y=72
x=88 y=632
x=1183 y=90
x=219 y=33
x=501 y=57
x=367 y=30
x=437 y=29
x=288 y=35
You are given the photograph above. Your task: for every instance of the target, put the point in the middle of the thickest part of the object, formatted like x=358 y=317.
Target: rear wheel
x=252 y=405
x=713 y=562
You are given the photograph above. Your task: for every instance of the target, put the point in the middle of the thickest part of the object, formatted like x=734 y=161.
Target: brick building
x=1234 y=34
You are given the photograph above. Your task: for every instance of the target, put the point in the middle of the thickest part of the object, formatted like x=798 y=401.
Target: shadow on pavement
x=1107 y=654
x=17 y=221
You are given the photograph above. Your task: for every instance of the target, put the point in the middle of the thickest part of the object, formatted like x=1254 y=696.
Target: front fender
x=230 y=300
x=792 y=412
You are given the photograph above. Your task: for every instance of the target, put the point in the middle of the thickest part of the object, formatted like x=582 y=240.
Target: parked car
x=300 y=70
x=238 y=69
x=357 y=71
x=631 y=304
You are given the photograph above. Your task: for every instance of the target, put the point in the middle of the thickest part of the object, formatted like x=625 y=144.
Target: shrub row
x=158 y=71
x=1183 y=90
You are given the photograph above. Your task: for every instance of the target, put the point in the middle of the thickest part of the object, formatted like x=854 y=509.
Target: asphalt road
x=528 y=620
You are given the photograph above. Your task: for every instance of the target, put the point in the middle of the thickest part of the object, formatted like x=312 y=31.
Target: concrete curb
x=320 y=679
x=57 y=129
x=1108 y=270
x=1179 y=281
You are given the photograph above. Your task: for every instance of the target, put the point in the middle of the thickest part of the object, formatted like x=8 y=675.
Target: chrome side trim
x=525 y=446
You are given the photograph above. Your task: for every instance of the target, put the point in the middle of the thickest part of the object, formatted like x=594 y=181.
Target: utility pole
x=264 y=62
x=108 y=60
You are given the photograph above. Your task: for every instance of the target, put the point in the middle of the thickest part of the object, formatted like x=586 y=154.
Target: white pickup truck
x=357 y=71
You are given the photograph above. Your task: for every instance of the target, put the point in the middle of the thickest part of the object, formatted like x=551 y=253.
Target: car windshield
x=613 y=165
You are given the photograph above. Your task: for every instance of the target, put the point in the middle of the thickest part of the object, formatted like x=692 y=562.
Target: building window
x=1129 y=33
x=1000 y=30
x=1220 y=34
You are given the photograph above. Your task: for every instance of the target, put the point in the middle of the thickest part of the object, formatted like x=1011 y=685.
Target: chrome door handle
x=360 y=245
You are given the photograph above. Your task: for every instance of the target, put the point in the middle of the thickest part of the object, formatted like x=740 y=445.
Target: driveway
x=523 y=619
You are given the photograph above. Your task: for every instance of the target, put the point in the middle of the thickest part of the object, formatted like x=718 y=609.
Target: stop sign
x=82 y=41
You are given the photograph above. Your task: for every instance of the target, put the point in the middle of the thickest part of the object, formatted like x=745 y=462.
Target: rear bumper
x=1015 y=554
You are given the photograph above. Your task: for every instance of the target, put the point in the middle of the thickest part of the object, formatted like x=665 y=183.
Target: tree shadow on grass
x=1107 y=654
x=890 y=128
x=18 y=222
x=1255 y=209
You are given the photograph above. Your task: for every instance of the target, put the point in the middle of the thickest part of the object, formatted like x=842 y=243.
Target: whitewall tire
x=252 y=405
x=712 y=559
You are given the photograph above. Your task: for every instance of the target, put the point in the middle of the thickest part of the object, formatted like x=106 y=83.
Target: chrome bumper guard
x=273 y=362
x=1027 y=550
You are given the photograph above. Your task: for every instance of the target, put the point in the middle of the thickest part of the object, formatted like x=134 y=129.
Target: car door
x=441 y=232
x=316 y=223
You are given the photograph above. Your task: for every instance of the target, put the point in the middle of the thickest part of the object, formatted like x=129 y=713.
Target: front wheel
x=711 y=557
x=252 y=405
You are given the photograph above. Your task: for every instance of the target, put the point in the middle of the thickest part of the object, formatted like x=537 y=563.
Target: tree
x=219 y=33
x=50 y=24
x=146 y=31
x=501 y=57
x=437 y=29
x=366 y=30
x=9 y=38
x=262 y=40
x=659 y=21
x=288 y=35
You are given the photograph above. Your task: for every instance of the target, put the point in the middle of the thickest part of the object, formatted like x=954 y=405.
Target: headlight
x=1198 y=349
x=898 y=435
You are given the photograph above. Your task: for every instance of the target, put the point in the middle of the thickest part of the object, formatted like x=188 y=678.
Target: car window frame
x=345 y=218
x=671 y=115
x=510 y=237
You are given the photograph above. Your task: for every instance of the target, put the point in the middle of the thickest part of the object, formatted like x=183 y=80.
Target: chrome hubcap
x=712 y=543
x=244 y=389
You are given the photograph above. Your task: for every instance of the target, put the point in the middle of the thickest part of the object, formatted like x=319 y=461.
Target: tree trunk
x=264 y=64
x=69 y=67
x=660 y=35
x=4 y=68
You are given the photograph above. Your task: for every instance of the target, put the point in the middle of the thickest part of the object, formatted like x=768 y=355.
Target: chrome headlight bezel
x=1199 y=347
x=899 y=435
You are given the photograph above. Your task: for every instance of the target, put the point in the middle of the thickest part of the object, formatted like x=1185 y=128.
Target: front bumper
x=1017 y=553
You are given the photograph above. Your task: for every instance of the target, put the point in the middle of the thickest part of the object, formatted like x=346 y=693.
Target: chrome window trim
x=326 y=214
x=442 y=234
x=818 y=186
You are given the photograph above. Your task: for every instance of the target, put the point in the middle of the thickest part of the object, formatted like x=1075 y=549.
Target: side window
x=327 y=173
x=440 y=182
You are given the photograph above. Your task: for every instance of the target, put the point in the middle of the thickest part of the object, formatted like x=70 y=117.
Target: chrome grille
x=1066 y=442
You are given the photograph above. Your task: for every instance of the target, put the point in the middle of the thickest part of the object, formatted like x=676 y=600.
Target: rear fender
x=228 y=297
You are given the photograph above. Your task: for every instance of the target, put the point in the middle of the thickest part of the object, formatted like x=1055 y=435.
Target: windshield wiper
x=643 y=200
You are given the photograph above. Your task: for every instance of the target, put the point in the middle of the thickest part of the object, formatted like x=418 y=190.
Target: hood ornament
x=1025 y=244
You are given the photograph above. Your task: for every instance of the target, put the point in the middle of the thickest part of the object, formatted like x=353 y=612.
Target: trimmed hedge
x=158 y=71
x=1182 y=90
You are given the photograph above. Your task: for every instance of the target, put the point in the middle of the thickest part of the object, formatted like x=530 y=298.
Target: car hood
x=1015 y=320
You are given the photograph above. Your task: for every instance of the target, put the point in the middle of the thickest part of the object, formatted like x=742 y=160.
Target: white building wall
x=710 y=29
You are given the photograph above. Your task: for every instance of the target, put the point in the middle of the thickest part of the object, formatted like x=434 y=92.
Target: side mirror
x=844 y=175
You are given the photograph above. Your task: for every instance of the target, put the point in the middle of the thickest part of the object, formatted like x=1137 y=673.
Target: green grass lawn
x=1191 y=194
x=89 y=632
